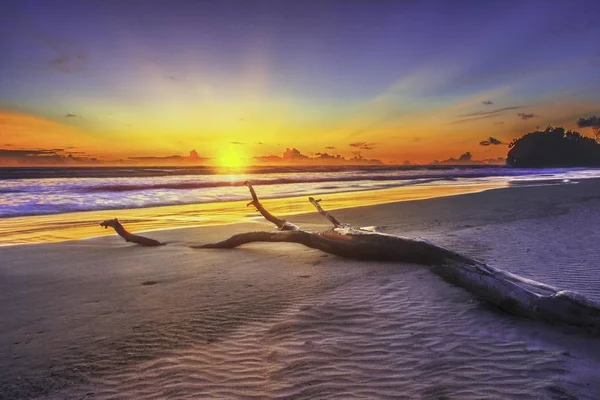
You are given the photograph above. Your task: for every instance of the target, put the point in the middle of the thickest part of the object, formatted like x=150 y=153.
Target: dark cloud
x=44 y=157
x=465 y=120
x=487 y=102
x=491 y=141
x=193 y=157
x=294 y=155
x=68 y=63
x=327 y=156
x=525 y=116
x=27 y=152
x=259 y=143
x=363 y=145
x=71 y=116
x=330 y=148
x=236 y=142
x=358 y=159
x=483 y=114
x=467 y=159
x=492 y=112
x=592 y=121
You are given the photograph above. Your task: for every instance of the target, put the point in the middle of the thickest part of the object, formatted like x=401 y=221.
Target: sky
x=239 y=82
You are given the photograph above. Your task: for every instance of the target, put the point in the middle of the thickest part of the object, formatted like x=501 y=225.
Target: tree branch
x=280 y=223
x=324 y=213
x=129 y=237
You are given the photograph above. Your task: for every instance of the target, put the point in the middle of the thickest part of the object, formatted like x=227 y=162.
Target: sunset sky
x=128 y=81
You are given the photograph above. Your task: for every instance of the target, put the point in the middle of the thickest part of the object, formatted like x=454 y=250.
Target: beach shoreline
x=66 y=208
x=84 y=224
x=108 y=319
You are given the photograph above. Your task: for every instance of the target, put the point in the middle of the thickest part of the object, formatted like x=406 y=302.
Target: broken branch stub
x=324 y=213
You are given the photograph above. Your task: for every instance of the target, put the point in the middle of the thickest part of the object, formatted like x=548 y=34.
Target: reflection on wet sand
x=81 y=225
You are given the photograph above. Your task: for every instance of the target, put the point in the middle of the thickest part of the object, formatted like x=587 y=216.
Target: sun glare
x=232 y=158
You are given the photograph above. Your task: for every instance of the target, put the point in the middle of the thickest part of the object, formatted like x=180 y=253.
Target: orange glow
x=262 y=128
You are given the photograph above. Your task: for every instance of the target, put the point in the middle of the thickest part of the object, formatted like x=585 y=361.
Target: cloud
x=44 y=157
x=592 y=121
x=68 y=63
x=474 y=116
x=525 y=116
x=499 y=123
x=271 y=158
x=363 y=145
x=259 y=143
x=491 y=141
x=465 y=120
x=295 y=156
x=487 y=102
x=492 y=112
x=192 y=158
x=70 y=116
x=330 y=148
x=236 y=142
x=327 y=156
x=467 y=159
x=68 y=58
x=157 y=158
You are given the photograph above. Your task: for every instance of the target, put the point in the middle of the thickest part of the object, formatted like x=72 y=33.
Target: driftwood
x=129 y=237
x=511 y=293
x=281 y=224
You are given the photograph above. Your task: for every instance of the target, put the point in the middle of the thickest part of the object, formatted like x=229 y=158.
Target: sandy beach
x=102 y=318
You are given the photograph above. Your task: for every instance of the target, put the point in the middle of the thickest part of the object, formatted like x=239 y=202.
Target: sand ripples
x=372 y=338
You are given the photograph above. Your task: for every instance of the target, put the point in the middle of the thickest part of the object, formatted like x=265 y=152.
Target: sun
x=232 y=158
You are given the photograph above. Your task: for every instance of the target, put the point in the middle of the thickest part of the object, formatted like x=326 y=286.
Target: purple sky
x=332 y=60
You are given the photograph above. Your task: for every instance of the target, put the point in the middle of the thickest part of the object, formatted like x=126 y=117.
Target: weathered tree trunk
x=510 y=292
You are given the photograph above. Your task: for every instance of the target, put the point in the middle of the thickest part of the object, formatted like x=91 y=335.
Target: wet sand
x=84 y=224
x=102 y=318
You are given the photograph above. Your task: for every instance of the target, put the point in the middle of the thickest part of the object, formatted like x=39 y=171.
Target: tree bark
x=509 y=292
x=324 y=213
x=130 y=237
x=281 y=224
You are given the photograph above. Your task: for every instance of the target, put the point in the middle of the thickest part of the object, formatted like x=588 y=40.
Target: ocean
x=42 y=191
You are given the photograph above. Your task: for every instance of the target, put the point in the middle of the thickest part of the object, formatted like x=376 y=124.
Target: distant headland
x=556 y=147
